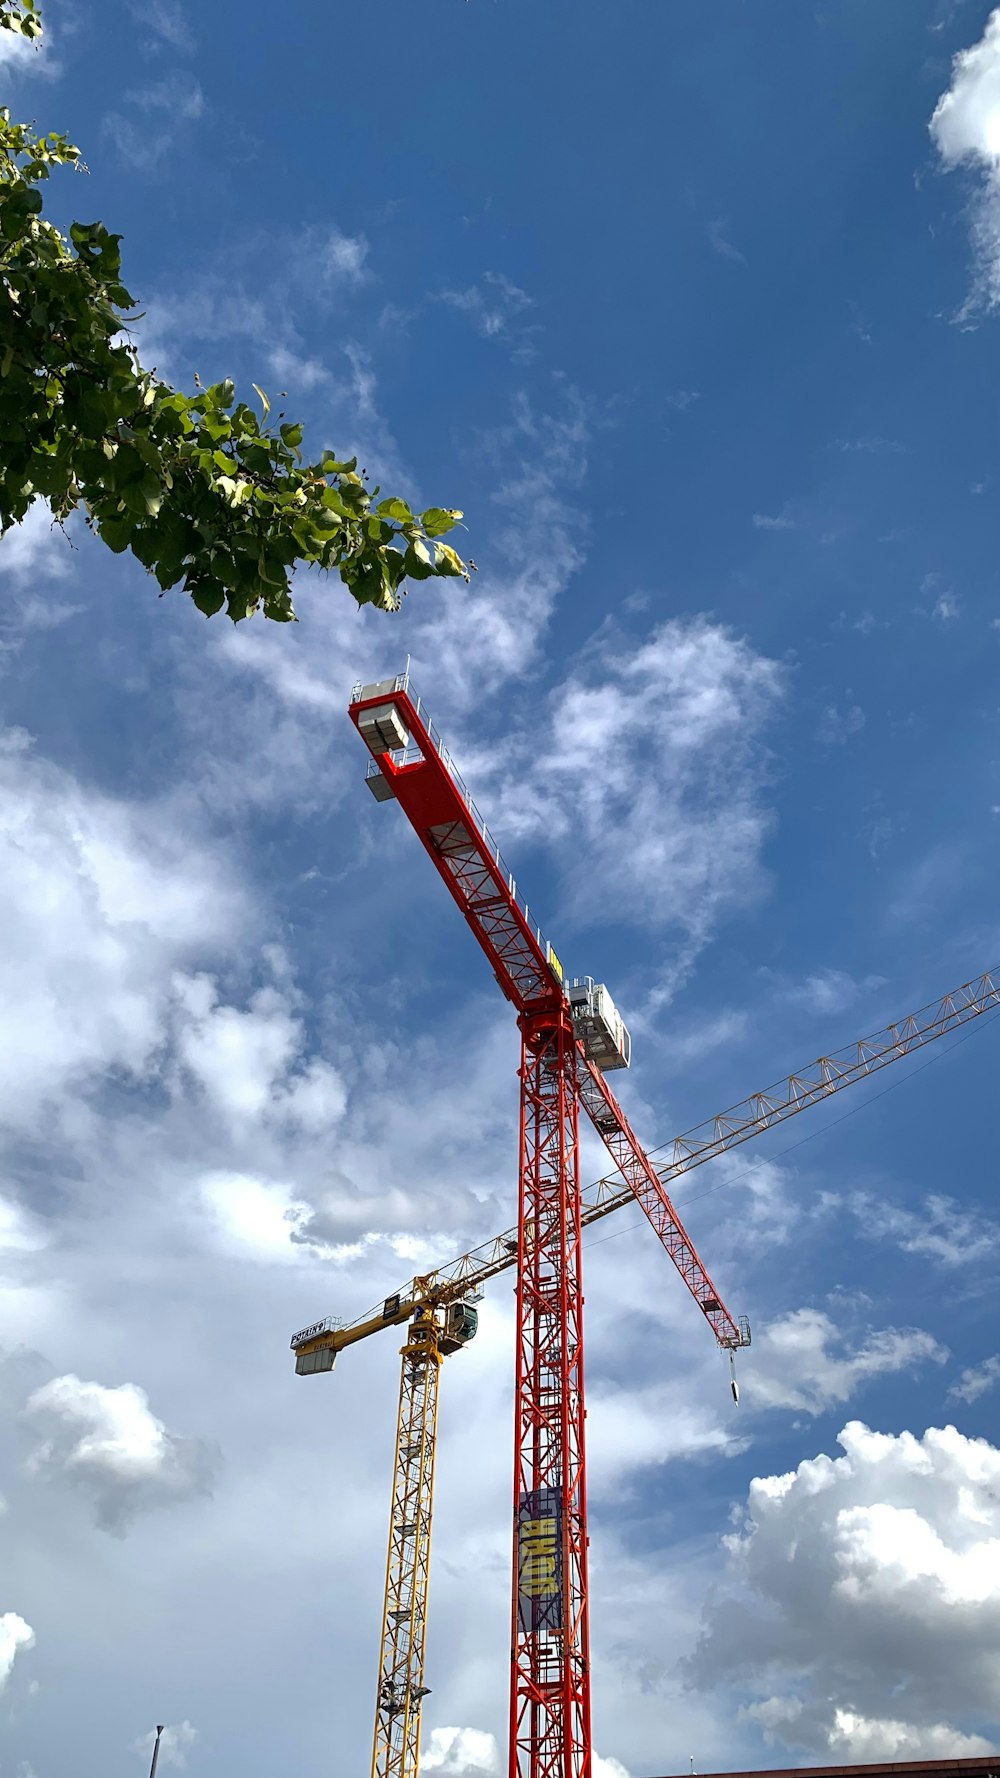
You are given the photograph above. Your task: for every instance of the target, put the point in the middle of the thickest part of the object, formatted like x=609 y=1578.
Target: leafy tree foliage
x=199 y=487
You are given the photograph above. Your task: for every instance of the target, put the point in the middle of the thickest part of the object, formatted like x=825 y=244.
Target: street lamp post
x=156 y=1750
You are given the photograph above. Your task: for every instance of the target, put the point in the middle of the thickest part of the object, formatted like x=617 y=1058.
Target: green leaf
x=117 y=533
x=396 y=509
x=265 y=404
x=437 y=520
x=417 y=562
x=209 y=597
x=271 y=571
x=447 y=562
x=168 y=572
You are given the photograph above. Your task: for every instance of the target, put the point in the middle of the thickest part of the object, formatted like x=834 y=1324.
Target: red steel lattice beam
x=550 y=1652
x=448 y=824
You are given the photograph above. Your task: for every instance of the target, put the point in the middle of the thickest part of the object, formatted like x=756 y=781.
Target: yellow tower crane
x=440 y=1309
x=442 y=1319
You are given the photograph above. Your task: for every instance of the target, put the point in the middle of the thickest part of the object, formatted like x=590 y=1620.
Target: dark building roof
x=919 y=1768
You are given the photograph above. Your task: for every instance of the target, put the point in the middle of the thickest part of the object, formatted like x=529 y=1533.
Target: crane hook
x=734 y=1386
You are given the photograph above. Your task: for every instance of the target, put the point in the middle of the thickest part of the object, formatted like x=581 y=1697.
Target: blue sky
x=694 y=314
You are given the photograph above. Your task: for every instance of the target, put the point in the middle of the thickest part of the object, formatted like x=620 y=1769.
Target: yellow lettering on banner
x=554 y=964
x=538 y=1576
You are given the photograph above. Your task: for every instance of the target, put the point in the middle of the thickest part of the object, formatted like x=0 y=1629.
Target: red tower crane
x=571 y=1035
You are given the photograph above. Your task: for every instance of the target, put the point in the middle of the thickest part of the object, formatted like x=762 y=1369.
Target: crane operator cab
x=460 y=1323
x=599 y=1024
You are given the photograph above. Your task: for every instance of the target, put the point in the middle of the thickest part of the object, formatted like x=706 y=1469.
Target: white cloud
x=829 y=990
x=873 y=446
x=941 y=1229
x=342 y=258
x=15 y=1634
x=296 y=371
x=966 y=120
x=837 y=726
x=763 y=521
x=16 y=51
x=176 y=94
x=306 y=273
x=865 y=1738
x=868 y=1739
x=977 y=1380
x=18 y=55
x=472 y=1753
x=649 y=763
x=803 y=1361
x=770 y=1210
x=109 y=1443
x=36 y=549
x=644 y=1427
x=461 y=1753
x=166 y=19
x=174 y=1742
x=177 y=99
x=965 y=128
x=475 y=639
x=856 y=1580
x=255 y=1219
x=495 y=308
x=703 y=1036
x=946 y=608
x=681 y=399
x=236 y=1056
x=720 y=242
x=107 y=899
x=247 y=1060
x=18 y=1232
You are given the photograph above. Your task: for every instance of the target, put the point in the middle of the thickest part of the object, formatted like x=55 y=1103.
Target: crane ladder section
x=426 y=784
x=707 y=1141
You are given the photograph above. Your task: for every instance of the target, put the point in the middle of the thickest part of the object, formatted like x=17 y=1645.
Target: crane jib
x=417 y=769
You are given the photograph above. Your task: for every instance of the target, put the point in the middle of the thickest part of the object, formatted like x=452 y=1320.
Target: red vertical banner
x=550 y=1654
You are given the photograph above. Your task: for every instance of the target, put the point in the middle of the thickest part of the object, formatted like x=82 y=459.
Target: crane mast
x=562 y=1068
x=396 y=1749
x=550 y=1627
x=433 y=1333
